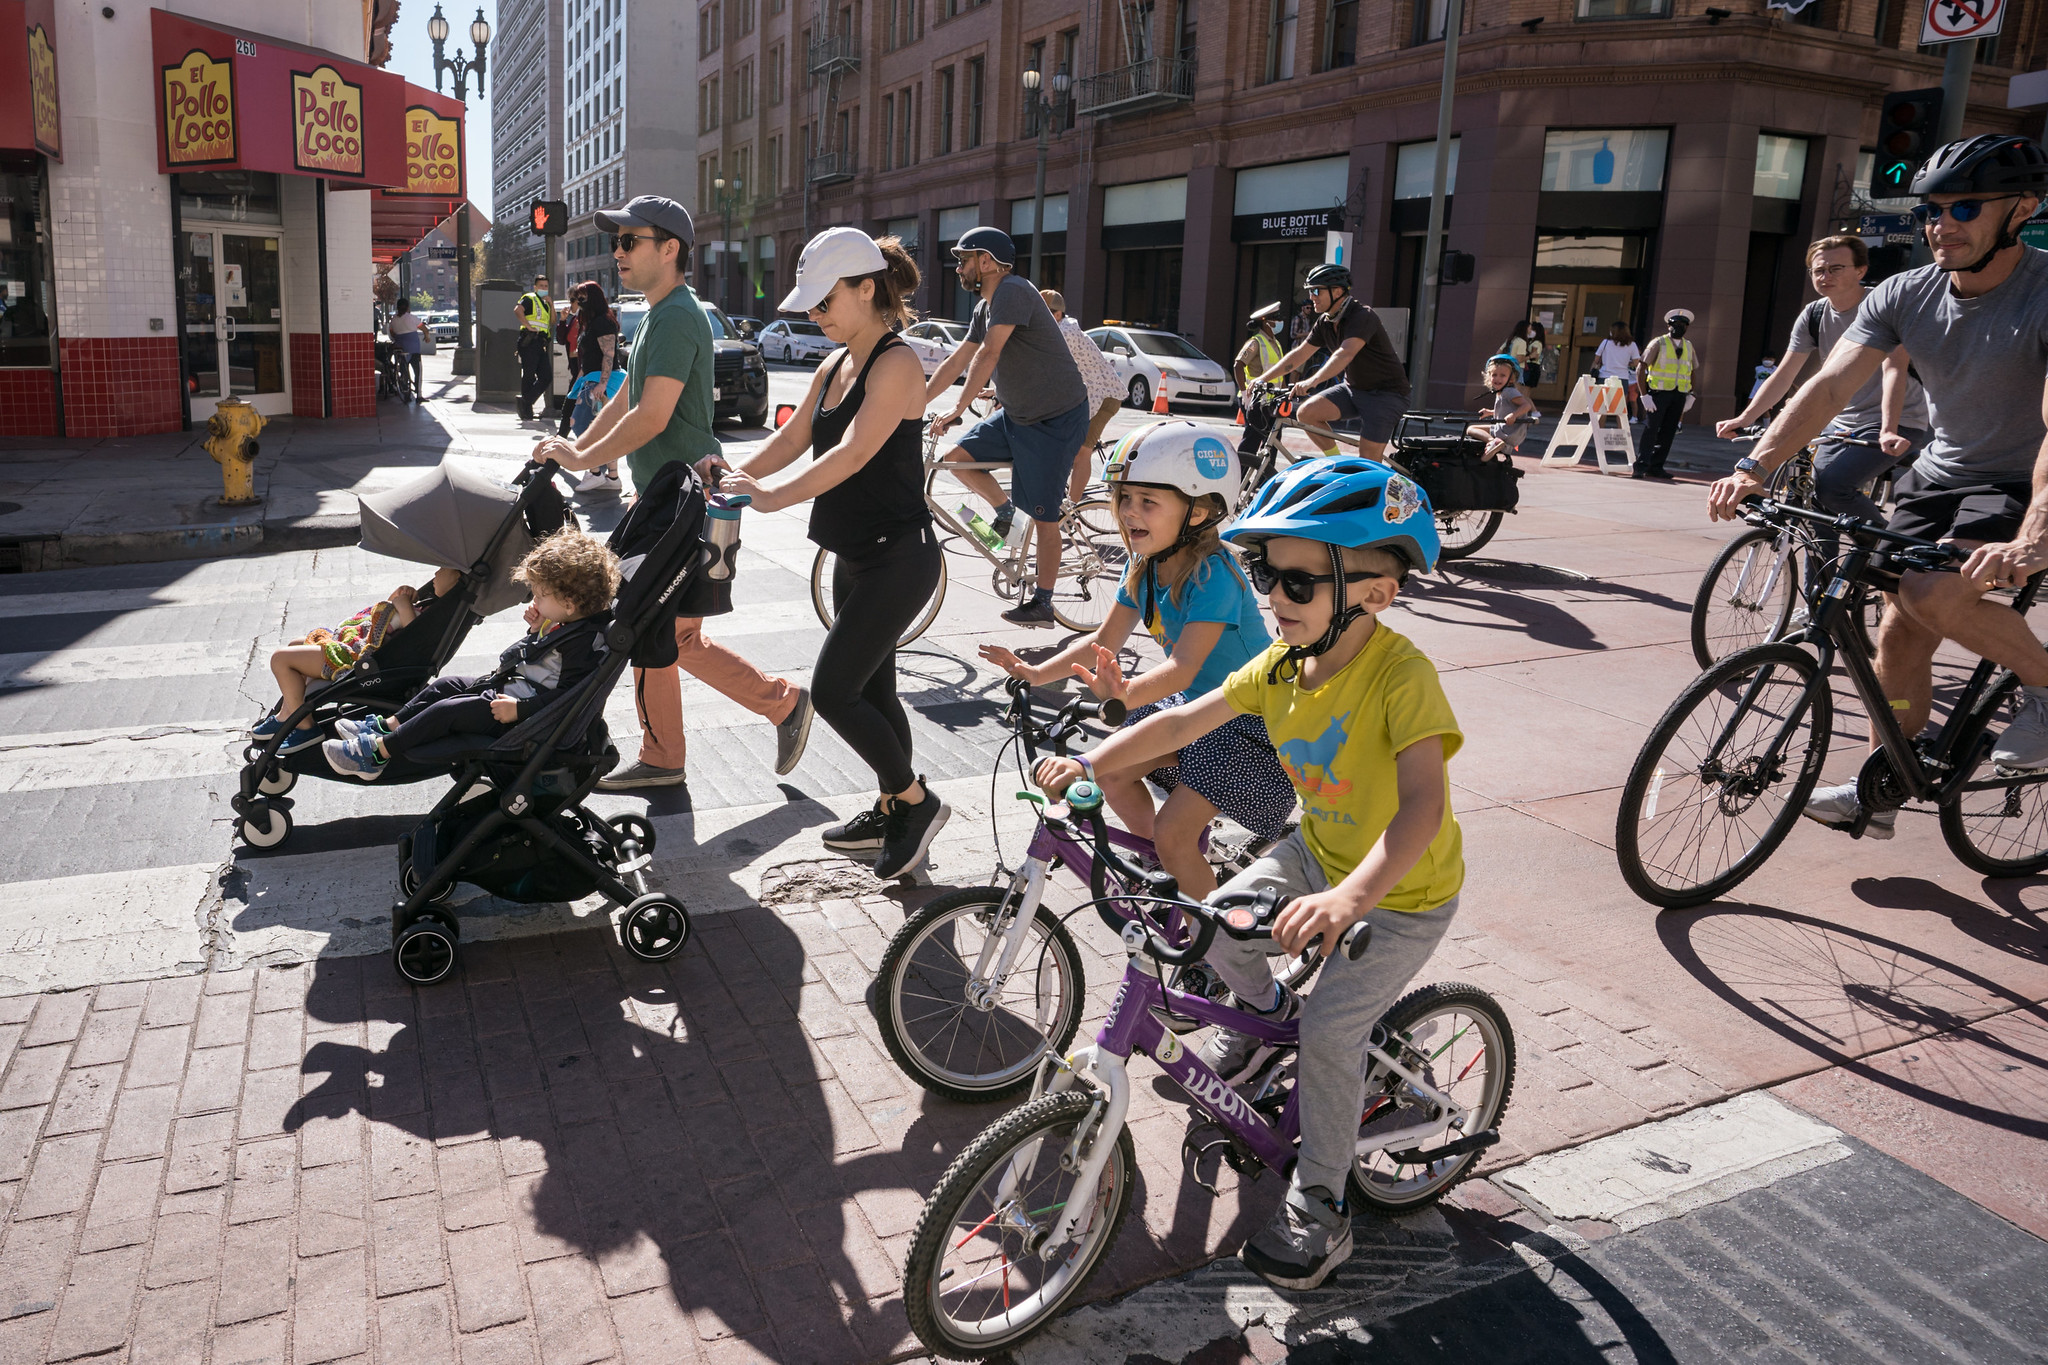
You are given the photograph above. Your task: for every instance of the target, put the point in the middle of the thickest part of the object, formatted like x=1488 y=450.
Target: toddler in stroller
x=572 y=578
x=457 y=514
x=323 y=655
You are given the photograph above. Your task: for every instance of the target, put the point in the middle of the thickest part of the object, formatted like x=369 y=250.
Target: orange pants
x=658 y=692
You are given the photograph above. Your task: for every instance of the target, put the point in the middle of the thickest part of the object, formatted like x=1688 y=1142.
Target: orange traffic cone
x=1240 y=416
x=1159 y=407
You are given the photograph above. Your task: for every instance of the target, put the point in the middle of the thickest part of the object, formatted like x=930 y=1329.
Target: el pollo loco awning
x=234 y=99
x=28 y=78
x=436 y=181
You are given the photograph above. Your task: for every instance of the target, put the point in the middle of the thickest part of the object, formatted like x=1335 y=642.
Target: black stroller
x=456 y=516
x=514 y=823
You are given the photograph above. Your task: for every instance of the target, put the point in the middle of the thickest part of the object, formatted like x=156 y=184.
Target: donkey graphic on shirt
x=1301 y=756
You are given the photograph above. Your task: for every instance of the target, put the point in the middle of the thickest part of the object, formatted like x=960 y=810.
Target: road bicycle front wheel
x=1996 y=822
x=1746 y=596
x=1465 y=533
x=978 y=1278
x=1723 y=776
x=821 y=598
x=1091 y=565
x=1457 y=1038
x=970 y=1040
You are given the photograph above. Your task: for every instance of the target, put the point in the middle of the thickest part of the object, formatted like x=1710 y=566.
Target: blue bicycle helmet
x=1344 y=500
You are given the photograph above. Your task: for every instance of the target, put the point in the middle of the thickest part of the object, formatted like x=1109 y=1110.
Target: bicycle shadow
x=2020 y=930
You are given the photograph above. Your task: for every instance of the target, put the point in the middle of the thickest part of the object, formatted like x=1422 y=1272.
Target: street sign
x=1951 y=21
x=1896 y=229
x=2035 y=234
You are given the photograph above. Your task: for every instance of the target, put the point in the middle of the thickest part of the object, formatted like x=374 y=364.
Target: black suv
x=741 y=376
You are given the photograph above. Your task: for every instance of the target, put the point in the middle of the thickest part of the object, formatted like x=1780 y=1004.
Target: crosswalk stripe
x=113 y=663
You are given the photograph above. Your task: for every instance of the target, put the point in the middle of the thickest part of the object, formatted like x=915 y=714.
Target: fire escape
x=1153 y=74
x=833 y=60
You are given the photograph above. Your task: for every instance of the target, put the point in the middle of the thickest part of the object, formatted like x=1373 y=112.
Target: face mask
x=1678 y=327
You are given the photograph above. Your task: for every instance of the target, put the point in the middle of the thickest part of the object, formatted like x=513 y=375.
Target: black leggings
x=854 y=685
x=442 y=708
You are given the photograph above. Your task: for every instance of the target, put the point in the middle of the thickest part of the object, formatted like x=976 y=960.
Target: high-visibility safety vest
x=1673 y=366
x=539 y=316
x=1269 y=350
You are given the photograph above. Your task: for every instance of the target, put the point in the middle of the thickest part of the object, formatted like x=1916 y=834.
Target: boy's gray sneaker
x=793 y=732
x=1309 y=1236
x=2025 y=742
x=1837 y=807
x=1233 y=1055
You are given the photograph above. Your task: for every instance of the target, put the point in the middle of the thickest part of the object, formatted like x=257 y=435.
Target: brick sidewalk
x=565 y=1155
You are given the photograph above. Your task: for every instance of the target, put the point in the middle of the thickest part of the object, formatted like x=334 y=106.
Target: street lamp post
x=460 y=66
x=1061 y=83
x=725 y=199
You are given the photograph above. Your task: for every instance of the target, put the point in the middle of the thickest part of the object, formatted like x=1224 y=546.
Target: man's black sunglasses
x=1298 y=584
x=1962 y=210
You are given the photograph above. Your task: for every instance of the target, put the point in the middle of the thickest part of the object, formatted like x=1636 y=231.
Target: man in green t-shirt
x=664 y=413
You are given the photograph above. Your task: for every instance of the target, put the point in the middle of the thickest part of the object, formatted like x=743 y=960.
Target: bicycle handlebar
x=1916 y=553
x=1065 y=722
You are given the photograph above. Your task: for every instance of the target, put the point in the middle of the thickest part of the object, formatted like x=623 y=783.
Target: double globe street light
x=460 y=66
x=1047 y=110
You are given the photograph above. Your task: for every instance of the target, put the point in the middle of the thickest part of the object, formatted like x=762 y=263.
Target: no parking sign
x=1951 y=21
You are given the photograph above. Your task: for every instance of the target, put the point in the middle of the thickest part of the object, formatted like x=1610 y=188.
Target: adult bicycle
x=977 y=986
x=1031 y=1207
x=1727 y=770
x=1754 y=590
x=1092 y=554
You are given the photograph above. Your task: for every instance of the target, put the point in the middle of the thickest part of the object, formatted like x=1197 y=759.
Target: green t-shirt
x=674 y=343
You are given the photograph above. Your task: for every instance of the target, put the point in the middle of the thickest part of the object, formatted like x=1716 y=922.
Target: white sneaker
x=1836 y=807
x=597 y=481
x=2025 y=742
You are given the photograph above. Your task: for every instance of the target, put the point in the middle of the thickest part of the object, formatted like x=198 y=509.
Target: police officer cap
x=1269 y=313
x=1685 y=313
x=652 y=211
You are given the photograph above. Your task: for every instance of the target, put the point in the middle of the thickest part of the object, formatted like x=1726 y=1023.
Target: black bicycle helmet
x=1990 y=163
x=1328 y=276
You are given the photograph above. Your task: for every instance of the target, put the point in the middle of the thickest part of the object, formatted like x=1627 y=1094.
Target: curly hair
x=579 y=569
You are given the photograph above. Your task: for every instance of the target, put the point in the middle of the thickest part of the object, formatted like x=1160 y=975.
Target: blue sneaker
x=299 y=739
x=356 y=757
x=265 y=728
x=373 y=726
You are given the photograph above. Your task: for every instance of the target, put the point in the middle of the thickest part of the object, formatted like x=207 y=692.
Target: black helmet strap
x=1288 y=666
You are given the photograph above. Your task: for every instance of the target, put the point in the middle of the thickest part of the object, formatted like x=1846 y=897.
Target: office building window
x=1340 y=42
x=710 y=25
x=746 y=17
x=1034 y=60
x=977 y=80
x=1430 y=19
x=746 y=90
x=945 y=102
x=1282 y=29
x=775 y=75
x=888 y=132
x=1611 y=9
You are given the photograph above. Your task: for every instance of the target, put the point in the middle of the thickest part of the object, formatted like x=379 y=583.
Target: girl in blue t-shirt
x=1174 y=484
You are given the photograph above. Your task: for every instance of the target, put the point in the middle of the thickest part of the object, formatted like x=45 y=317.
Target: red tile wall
x=355 y=374
x=120 y=386
x=28 y=403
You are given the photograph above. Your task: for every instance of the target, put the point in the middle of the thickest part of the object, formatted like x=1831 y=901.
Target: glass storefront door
x=233 y=287
x=1575 y=319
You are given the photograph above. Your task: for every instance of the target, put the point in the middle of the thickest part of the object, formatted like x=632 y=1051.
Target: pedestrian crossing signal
x=1906 y=133
x=548 y=218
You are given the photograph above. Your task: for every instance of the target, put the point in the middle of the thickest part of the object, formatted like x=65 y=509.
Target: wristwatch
x=1748 y=464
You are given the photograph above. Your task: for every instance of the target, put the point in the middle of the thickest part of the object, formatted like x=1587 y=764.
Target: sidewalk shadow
x=1794 y=974
x=2018 y=930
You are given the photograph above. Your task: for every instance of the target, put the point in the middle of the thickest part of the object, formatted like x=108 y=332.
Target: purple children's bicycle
x=1031 y=1207
x=980 y=984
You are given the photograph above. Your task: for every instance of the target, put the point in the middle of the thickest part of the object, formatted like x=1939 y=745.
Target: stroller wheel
x=277 y=781
x=655 y=928
x=409 y=882
x=424 y=952
x=252 y=753
x=265 y=826
x=635 y=827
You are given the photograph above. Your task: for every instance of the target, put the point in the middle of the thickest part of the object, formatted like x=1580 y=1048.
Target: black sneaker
x=1001 y=521
x=864 y=833
x=1036 y=611
x=909 y=835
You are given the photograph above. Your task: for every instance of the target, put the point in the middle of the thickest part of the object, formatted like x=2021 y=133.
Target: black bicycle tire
x=935 y=1224
x=1953 y=831
x=1710 y=581
x=1402 y=1016
x=888 y=986
x=1471 y=547
x=1645 y=769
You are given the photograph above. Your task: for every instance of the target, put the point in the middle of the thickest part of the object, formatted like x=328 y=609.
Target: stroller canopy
x=450 y=516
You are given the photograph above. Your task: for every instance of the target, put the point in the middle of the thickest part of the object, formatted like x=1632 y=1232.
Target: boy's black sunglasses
x=1298 y=584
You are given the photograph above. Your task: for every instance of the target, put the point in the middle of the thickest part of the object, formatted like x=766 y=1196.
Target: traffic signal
x=548 y=218
x=1905 y=136
x=1458 y=267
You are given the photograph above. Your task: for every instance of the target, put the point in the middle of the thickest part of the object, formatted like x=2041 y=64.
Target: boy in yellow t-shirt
x=1362 y=726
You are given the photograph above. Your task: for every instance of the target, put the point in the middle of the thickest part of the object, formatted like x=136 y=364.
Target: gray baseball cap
x=652 y=211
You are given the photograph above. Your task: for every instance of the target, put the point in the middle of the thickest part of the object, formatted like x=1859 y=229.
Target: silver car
x=794 y=339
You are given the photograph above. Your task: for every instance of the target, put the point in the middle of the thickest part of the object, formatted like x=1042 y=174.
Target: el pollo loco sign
x=327 y=123
x=433 y=153
x=199 y=111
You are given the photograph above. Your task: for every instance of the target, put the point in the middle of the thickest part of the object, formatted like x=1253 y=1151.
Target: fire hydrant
x=232 y=443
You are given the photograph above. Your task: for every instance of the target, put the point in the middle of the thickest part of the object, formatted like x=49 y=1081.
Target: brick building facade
x=1615 y=158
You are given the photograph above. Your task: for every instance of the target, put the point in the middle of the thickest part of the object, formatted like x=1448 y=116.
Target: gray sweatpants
x=1338 y=1013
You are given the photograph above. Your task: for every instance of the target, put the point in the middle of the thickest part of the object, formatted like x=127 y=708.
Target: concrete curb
x=41 y=553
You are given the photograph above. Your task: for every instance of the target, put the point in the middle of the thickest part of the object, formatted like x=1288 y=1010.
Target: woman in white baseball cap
x=863 y=424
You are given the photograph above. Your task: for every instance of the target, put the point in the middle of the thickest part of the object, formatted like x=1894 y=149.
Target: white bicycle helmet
x=1186 y=456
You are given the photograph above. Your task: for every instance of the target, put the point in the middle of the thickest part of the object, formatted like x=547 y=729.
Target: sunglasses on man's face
x=1298 y=584
x=1962 y=210
x=624 y=242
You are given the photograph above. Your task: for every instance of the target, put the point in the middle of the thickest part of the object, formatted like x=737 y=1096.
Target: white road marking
x=65 y=932
x=116 y=663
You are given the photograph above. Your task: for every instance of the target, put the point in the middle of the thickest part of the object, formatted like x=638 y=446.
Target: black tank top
x=883 y=499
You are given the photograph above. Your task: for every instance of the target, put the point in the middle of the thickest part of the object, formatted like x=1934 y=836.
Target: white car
x=1146 y=359
x=793 y=339
x=442 y=325
x=934 y=341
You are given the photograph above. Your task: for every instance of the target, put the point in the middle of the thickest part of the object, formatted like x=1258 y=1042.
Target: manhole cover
x=7 y=507
x=1514 y=571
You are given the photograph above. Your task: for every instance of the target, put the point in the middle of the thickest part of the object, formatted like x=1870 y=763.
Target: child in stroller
x=323 y=655
x=572 y=578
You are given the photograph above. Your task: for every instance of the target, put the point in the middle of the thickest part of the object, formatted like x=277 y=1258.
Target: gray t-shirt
x=1818 y=327
x=1035 y=375
x=1981 y=359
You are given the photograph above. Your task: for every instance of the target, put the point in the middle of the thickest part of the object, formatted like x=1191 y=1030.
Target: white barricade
x=1595 y=419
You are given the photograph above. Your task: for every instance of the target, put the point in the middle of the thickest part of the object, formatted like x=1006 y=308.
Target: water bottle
x=983 y=532
x=722 y=533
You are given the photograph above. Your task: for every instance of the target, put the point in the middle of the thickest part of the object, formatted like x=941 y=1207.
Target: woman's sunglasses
x=1963 y=210
x=1298 y=584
